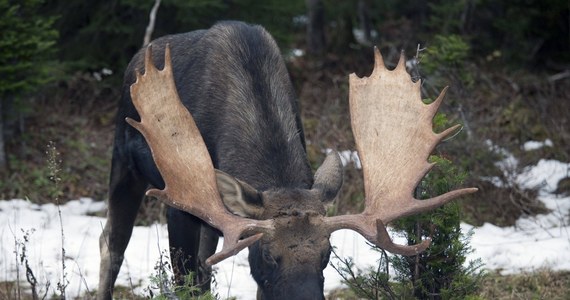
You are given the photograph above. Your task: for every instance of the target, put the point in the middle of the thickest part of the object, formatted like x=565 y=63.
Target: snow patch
x=535 y=145
x=347 y=157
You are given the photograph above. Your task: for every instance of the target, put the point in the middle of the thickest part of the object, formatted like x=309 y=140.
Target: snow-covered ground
x=540 y=241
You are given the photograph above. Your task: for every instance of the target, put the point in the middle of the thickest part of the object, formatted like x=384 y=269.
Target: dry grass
x=542 y=284
x=501 y=206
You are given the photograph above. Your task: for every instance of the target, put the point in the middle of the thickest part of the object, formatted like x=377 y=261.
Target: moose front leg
x=191 y=243
x=208 y=242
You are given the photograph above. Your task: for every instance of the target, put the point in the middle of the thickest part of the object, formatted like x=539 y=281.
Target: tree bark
x=344 y=36
x=3 y=156
x=364 y=18
x=316 y=42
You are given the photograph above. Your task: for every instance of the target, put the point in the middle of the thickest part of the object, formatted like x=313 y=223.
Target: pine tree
x=26 y=42
x=440 y=271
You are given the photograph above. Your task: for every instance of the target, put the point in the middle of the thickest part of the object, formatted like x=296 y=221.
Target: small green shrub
x=440 y=271
x=369 y=283
x=445 y=60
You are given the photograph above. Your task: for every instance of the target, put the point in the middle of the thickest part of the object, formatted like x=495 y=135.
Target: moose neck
x=258 y=136
x=271 y=156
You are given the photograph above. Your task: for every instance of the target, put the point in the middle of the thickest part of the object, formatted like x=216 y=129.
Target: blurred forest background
x=507 y=64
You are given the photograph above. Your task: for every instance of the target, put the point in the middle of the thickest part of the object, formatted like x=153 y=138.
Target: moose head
x=287 y=229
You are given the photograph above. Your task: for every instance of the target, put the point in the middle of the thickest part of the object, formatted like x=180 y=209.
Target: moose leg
x=208 y=242
x=191 y=243
x=125 y=196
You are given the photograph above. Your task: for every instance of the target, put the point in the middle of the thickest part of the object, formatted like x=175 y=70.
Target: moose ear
x=239 y=197
x=328 y=178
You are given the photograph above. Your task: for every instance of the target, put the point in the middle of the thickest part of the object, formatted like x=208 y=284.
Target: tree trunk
x=3 y=159
x=418 y=291
x=344 y=36
x=316 y=43
x=364 y=18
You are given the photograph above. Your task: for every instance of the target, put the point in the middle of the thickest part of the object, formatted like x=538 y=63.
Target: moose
x=213 y=127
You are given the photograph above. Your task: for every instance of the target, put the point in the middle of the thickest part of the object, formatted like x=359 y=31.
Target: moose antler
x=393 y=131
x=183 y=159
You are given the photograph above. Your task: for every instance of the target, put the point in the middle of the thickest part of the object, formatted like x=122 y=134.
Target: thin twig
x=559 y=76
x=16 y=247
x=231 y=277
x=151 y=22
x=54 y=169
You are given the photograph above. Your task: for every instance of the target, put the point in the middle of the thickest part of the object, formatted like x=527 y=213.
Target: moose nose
x=303 y=286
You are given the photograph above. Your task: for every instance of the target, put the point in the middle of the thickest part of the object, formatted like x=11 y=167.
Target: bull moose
x=216 y=132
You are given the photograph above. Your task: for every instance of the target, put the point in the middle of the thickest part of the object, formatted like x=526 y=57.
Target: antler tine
x=434 y=106
x=183 y=159
x=385 y=242
x=401 y=62
x=393 y=131
x=378 y=60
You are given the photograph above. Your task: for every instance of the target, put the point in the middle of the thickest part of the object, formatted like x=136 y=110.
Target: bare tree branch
x=150 y=26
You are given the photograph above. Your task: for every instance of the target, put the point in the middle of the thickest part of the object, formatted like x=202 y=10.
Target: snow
x=535 y=145
x=347 y=157
x=533 y=243
x=545 y=175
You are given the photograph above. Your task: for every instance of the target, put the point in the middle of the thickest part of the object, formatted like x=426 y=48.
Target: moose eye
x=269 y=260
